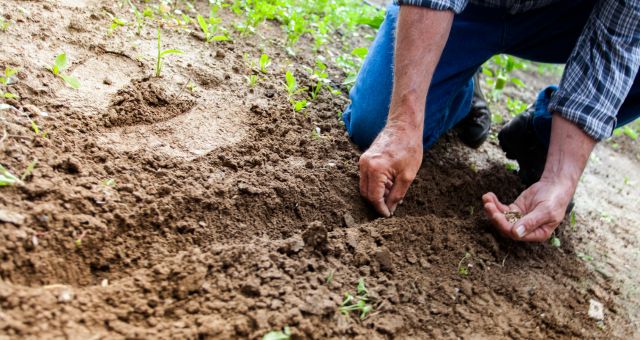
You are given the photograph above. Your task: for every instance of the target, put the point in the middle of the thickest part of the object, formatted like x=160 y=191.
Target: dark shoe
x=519 y=141
x=473 y=130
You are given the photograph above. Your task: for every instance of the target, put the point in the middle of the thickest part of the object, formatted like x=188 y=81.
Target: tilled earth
x=157 y=211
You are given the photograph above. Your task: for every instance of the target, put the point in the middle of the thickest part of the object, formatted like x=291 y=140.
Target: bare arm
x=389 y=166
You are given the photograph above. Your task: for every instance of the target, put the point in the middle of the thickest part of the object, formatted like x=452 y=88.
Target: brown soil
x=226 y=214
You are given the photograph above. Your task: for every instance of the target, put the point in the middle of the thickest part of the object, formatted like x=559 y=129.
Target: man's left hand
x=542 y=207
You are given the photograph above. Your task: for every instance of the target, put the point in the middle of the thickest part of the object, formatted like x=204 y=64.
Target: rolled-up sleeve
x=601 y=68
x=442 y=5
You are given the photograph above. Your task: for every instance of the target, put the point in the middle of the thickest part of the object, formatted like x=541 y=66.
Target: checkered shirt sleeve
x=601 y=68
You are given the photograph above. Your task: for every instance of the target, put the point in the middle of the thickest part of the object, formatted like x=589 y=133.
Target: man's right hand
x=389 y=166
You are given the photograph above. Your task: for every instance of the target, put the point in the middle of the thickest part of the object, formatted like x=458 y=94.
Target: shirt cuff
x=442 y=5
x=580 y=111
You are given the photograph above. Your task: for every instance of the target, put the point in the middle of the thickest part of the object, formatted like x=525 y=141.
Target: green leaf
x=631 y=133
x=299 y=105
x=501 y=80
x=6 y=178
x=60 y=63
x=220 y=38
x=291 y=81
x=487 y=72
x=203 y=25
x=554 y=242
x=71 y=81
x=278 y=335
x=360 y=52
x=171 y=51
x=496 y=118
x=517 y=82
x=9 y=95
x=362 y=288
x=29 y=170
x=617 y=132
x=572 y=219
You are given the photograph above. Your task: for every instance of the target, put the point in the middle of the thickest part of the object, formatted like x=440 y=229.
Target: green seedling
x=4 y=24
x=285 y=334
x=109 y=182
x=162 y=54
x=252 y=80
x=515 y=106
x=36 y=129
x=329 y=278
x=630 y=132
x=321 y=77
x=496 y=118
x=191 y=86
x=210 y=28
x=585 y=257
x=299 y=105
x=29 y=170
x=5 y=80
x=572 y=220
x=554 y=241
x=511 y=166
x=7 y=178
x=265 y=62
x=463 y=269
x=59 y=66
x=292 y=90
x=115 y=23
x=358 y=302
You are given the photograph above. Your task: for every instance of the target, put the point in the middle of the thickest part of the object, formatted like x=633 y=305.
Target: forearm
x=420 y=38
x=569 y=151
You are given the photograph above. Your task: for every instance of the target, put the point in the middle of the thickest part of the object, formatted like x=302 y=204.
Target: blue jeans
x=546 y=35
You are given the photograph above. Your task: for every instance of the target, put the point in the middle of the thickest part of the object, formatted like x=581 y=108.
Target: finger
x=497 y=218
x=399 y=189
x=364 y=178
x=375 y=191
x=531 y=222
x=541 y=234
x=492 y=198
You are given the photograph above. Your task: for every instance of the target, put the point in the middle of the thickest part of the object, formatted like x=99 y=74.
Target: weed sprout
x=358 y=302
x=162 y=53
x=59 y=66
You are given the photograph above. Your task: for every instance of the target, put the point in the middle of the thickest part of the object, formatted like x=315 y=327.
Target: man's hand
x=389 y=166
x=391 y=163
x=543 y=205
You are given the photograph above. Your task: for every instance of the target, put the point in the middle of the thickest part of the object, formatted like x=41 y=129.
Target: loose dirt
x=155 y=211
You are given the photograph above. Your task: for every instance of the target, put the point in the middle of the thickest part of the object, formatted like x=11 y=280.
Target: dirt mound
x=146 y=101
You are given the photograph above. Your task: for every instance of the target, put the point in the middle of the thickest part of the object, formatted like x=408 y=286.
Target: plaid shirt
x=601 y=68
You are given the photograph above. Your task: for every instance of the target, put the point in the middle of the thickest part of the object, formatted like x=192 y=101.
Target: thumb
x=529 y=223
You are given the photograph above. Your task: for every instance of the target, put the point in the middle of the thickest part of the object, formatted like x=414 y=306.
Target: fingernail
x=520 y=230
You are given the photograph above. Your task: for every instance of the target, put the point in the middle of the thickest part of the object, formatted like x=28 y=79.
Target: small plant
x=329 y=278
x=252 y=80
x=265 y=61
x=4 y=24
x=285 y=334
x=320 y=76
x=572 y=220
x=59 y=66
x=292 y=90
x=36 y=129
x=210 y=28
x=7 y=178
x=358 y=302
x=109 y=182
x=463 y=269
x=162 y=54
x=6 y=80
x=511 y=166
x=554 y=241
x=29 y=170
x=515 y=106
x=115 y=23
